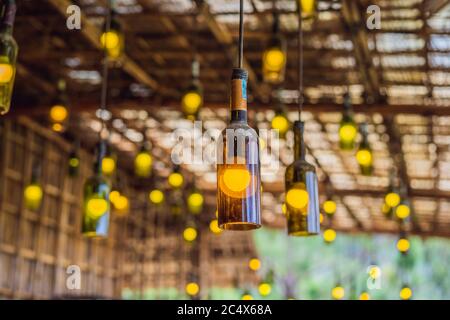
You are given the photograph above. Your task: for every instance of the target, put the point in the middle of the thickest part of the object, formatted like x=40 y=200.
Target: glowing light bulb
x=234 y=181
x=189 y=234
x=57 y=127
x=264 y=289
x=402 y=211
x=338 y=293
x=156 y=196
x=329 y=235
x=385 y=209
x=320 y=218
x=6 y=73
x=364 y=296
x=96 y=207
x=192 y=288
x=405 y=293
x=121 y=204
x=297 y=198
x=347 y=133
x=108 y=165
x=110 y=40
x=392 y=199
x=114 y=196
x=214 y=227
x=74 y=162
x=58 y=113
x=247 y=297
x=274 y=59
x=191 y=102
x=280 y=123
x=364 y=157
x=284 y=208
x=308 y=6
x=329 y=207
x=254 y=264
x=375 y=272
x=143 y=164
x=33 y=195
x=403 y=245
x=195 y=202
x=175 y=180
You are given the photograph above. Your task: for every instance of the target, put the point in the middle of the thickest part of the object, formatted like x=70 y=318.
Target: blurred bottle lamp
x=192 y=99
x=108 y=162
x=74 y=163
x=121 y=205
x=190 y=234
x=143 y=163
x=338 y=292
x=8 y=55
x=403 y=245
x=264 y=289
x=392 y=199
x=274 y=57
x=329 y=207
x=347 y=128
x=33 y=192
x=329 y=235
x=302 y=197
x=364 y=296
x=254 y=264
x=195 y=202
x=308 y=7
x=175 y=178
x=96 y=207
x=112 y=39
x=364 y=153
x=192 y=289
x=405 y=293
x=214 y=227
x=402 y=211
x=247 y=296
x=59 y=112
x=281 y=123
x=156 y=196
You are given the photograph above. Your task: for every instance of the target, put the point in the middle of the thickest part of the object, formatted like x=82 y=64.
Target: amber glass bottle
x=238 y=165
x=301 y=191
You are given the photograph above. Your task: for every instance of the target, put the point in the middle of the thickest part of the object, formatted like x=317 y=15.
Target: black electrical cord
x=300 y=61
x=104 y=93
x=241 y=33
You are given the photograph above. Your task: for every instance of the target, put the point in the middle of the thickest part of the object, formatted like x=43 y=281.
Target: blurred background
x=377 y=114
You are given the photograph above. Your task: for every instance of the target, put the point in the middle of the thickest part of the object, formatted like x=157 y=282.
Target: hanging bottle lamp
x=364 y=155
x=405 y=292
x=33 y=193
x=109 y=161
x=192 y=99
x=302 y=197
x=238 y=162
x=329 y=235
x=59 y=112
x=338 y=292
x=96 y=205
x=156 y=196
x=347 y=128
x=143 y=162
x=329 y=207
x=403 y=244
x=214 y=227
x=8 y=55
x=195 y=202
x=175 y=178
x=308 y=7
x=74 y=161
x=190 y=232
x=280 y=121
x=275 y=56
x=112 y=39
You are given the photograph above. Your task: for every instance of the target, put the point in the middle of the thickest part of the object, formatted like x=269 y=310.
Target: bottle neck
x=9 y=16
x=238 y=99
x=299 y=144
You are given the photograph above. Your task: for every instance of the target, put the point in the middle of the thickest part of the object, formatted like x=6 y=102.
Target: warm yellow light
x=402 y=211
x=280 y=123
x=74 y=162
x=308 y=6
x=143 y=164
x=234 y=181
x=96 y=207
x=110 y=40
x=191 y=102
x=274 y=59
x=254 y=264
x=405 y=293
x=114 y=196
x=175 y=180
x=374 y=272
x=338 y=293
x=33 y=196
x=192 y=288
x=121 y=204
x=364 y=296
x=284 y=208
x=108 y=165
x=195 y=200
x=262 y=144
x=189 y=234
x=297 y=198
x=6 y=73
x=392 y=199
x=58 y=113
x=347 y=132
x=156 y=196
x=385 y=208
x=247 y=297
x=403 y=245
x=329 y=235
x=364 y=157
x=57 y=127
x=329 y=207
x=264 y=289
x=320 y=218
x=214 y=227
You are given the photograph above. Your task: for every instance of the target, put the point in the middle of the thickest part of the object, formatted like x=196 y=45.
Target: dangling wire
x=241 y=33
x=104 y=93
x=300 y=61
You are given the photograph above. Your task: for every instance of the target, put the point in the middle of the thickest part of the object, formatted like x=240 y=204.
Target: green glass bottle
x=8 y=55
